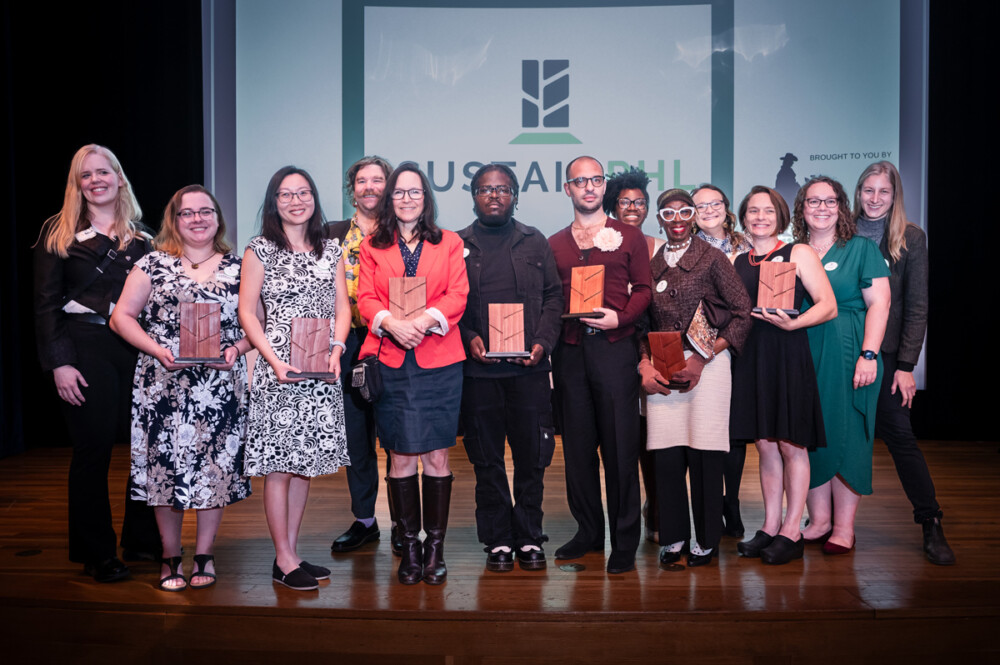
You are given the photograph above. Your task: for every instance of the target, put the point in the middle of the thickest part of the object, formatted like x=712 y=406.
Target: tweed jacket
x=702 y=271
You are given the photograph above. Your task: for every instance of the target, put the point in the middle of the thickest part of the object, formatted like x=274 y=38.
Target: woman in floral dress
x=188 y=420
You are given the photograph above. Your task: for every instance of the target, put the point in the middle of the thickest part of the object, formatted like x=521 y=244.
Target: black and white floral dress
x=295 y=427
x=188 y=426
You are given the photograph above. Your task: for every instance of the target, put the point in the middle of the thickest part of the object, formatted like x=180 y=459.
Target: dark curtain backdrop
x=122 y=74
x=128 y=75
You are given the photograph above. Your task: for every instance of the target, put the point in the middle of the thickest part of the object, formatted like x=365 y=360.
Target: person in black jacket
x=508 y=262
x=82 y=258
x=364 y=183
x=880 y=216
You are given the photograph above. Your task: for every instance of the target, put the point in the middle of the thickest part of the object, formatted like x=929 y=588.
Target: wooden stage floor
x=883 y=603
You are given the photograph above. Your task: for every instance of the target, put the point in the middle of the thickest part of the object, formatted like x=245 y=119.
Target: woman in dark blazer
x=881 y=217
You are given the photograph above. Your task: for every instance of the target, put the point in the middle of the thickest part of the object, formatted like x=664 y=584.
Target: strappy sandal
x=200 y=561
x=174 y=562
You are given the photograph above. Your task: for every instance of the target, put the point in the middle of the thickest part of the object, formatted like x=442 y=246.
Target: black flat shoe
x=319 y=572
x=531 y=559
x=174 y=562
x=200 y=561
x=298 y=579
x=751 y=548
x=355 y=537
x=575 y=549
x=668 y=558
x=109 y=570
x=695 y=560
x=499 y=561
x=782 y=550
x=620 y=562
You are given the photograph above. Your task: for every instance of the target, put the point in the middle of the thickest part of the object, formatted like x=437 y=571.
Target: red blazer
x=447 y=289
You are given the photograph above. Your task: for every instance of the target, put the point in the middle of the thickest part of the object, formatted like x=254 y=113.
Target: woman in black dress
x=775 y=396
x=82 y=258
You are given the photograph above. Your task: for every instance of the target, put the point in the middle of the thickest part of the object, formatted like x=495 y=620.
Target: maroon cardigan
x=629 y=264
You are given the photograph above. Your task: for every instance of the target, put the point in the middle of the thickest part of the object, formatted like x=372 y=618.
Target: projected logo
x=545 y=104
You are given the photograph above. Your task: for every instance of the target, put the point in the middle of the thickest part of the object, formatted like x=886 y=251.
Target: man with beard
x=364 y=182
x=508 y=262
x=596 y=379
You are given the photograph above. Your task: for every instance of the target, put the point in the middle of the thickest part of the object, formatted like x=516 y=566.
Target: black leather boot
x=437 y=499
x=395 y=533
x=936 y=548
x=404 y=494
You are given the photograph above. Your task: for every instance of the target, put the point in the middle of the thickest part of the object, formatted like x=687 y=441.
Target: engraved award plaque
x=310 y=348
x=586 y=291
x=201 y=340
x=507 y=331
x=407 y=297
x=667 y=351
x=776 y=289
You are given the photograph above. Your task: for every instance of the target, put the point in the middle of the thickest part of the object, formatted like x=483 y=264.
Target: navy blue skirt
x=418 y=410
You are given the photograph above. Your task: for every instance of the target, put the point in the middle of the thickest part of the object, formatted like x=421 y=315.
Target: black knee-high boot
x=437 y=499
x=395 y=534
x=404 y=493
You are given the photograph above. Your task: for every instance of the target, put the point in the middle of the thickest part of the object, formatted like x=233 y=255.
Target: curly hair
x=846 y=227
x=632 y=179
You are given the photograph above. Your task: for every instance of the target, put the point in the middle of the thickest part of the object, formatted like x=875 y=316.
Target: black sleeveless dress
x=775 y=395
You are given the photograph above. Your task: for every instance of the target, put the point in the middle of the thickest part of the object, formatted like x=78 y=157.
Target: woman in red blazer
x=417 y=414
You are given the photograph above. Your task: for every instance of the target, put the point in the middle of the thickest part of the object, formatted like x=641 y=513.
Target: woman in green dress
x=845 y=352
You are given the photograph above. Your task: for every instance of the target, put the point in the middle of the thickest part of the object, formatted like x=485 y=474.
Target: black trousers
x=598 y=389
x=518 y=410
x=892 y=425
x=108 y=366
x=359 y=421
x=673 y=465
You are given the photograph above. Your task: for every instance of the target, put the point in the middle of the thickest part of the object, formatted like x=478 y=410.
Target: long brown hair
x=896 y=240
x=735 y=237
x=60 y=230
x=385 y=231
x=169 y=238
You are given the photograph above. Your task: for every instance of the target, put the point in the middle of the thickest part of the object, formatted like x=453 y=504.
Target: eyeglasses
x=668 y=214
x=711 y=205
x=502 y=191
x=581 y=182
x=815 y=203
x=303 y=195
x=187 y=214
x=640 y=204
x=415 y=194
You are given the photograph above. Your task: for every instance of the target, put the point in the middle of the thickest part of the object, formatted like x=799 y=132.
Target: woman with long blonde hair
x=82 y=257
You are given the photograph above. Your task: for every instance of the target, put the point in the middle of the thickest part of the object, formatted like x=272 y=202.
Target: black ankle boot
x=404 y=494
x=437 y=499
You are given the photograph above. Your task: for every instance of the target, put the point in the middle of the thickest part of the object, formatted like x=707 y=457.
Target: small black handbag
x=366 y=376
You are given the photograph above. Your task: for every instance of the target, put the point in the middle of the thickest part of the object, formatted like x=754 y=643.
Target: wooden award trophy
x=507 y=331
x=776 y=289
x=407 y=297
x=201 y=340
x=310 y=348
x=586 y=291
x=667 y=350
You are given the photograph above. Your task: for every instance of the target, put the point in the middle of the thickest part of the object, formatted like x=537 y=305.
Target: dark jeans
x=359 y=421
x=892 y=425
x=673 y=465
x=107 y=365
x=519 y=410
x=599 y=398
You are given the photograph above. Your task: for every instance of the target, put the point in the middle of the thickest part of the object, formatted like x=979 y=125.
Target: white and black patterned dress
x=188 y=425
x=295 y=427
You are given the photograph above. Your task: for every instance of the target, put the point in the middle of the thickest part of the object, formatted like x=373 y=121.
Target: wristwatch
x=868 y=354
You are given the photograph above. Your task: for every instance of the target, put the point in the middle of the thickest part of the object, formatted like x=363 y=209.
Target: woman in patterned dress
x=296 y=425
x=188 y=420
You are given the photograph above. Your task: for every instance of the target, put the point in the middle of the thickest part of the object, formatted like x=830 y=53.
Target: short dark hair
x=846 y=226
x=487 y=168
x=780 y=207
x=385 y=231
x=270 y=220
x=352 y=172
x=632 y=179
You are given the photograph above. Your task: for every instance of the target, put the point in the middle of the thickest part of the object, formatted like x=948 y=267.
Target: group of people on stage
x=811 y=390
